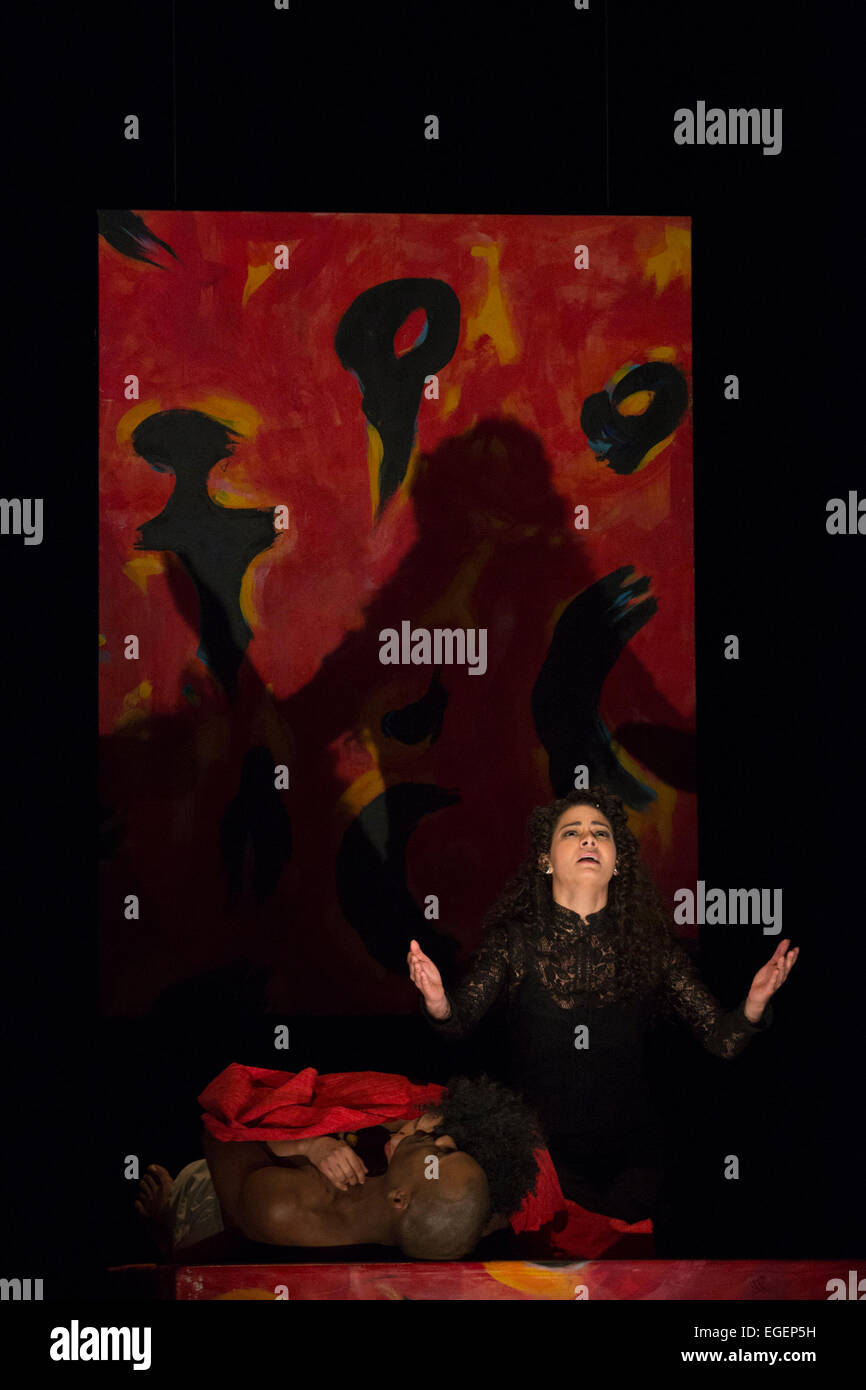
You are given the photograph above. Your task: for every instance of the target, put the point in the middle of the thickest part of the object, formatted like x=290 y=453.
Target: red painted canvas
x=335 y=450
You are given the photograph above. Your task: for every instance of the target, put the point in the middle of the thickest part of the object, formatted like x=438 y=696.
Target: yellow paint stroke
x=659 y=816
x=143 y=567
x=450 y=402
x=133 y=705
x=557 y=613
x=102 y=639
x=653 y=453
x=636 y=403
x=132 y=418
x=492 y=318
x=232 y=501
x=537 y=1280
x=247 y=595
x=236 y=415
x=256 y=277
x=142 y=691
x=408 y=482
x=404 y=491
x=620 y=373
x=365 y=788
x=245 y=492
x=671 y=259
x=375 y=454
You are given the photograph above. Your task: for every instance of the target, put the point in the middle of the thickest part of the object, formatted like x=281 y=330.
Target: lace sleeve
x=723 y=1032
x=478 y=990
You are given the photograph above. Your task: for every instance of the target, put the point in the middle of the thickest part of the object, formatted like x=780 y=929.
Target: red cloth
x=247 y=1103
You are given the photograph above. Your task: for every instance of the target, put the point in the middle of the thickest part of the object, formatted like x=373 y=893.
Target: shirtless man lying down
x=433 y=1186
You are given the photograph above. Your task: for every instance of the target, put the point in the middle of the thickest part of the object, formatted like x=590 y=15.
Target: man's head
x=439 y=1195
x=450 y=1170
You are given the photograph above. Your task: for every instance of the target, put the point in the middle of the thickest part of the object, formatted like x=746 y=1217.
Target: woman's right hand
x=337 y=1160
x=425 y=976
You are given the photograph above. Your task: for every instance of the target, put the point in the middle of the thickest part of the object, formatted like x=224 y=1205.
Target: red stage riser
x=677 y=1280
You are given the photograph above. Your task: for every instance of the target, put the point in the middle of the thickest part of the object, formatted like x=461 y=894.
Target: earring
x=548 y=870
x=616 y=870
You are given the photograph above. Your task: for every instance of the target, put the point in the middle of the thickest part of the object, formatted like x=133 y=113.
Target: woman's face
x=422 y=1125
x=582 y=849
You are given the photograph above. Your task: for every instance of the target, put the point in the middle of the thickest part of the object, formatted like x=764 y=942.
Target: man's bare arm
x=230 y=1165
x=263 y=1199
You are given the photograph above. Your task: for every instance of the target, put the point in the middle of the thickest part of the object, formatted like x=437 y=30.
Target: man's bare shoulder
x=295 y=1205
x=294 y=1182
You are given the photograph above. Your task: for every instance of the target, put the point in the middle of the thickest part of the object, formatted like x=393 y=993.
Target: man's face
x=408 y=1151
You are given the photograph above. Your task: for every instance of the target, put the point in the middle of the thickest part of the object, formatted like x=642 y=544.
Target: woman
x=579 y=947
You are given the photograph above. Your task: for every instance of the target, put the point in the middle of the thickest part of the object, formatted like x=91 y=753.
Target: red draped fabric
x=255 y=1103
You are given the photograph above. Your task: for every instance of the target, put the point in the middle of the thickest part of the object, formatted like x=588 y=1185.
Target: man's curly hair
x=635 y=908
x=499 y=1130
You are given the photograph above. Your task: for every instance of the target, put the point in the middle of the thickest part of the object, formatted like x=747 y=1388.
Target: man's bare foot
x=153 y=1205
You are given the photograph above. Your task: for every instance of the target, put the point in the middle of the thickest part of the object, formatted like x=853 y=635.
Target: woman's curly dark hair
x=635 y=907
x=499 y=1130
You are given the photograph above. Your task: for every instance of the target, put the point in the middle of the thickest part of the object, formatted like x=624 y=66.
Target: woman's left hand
x=770 y=977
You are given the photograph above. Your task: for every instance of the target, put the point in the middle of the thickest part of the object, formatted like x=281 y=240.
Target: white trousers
x=194 y=1206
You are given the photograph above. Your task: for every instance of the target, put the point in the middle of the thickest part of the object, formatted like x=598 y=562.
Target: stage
x=490 y=1281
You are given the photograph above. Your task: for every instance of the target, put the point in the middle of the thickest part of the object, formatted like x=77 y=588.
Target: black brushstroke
x=214 y=544
x=130 y=235
x=422 y=719
x=256 y=820
x=391 y=386
x=623 y=440
x=586 y=642
x=371 y=877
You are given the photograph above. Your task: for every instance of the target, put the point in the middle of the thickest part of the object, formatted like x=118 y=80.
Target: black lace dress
x=561 y=992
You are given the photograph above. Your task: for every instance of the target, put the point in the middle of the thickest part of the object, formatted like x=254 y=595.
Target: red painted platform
x=515 y=1280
